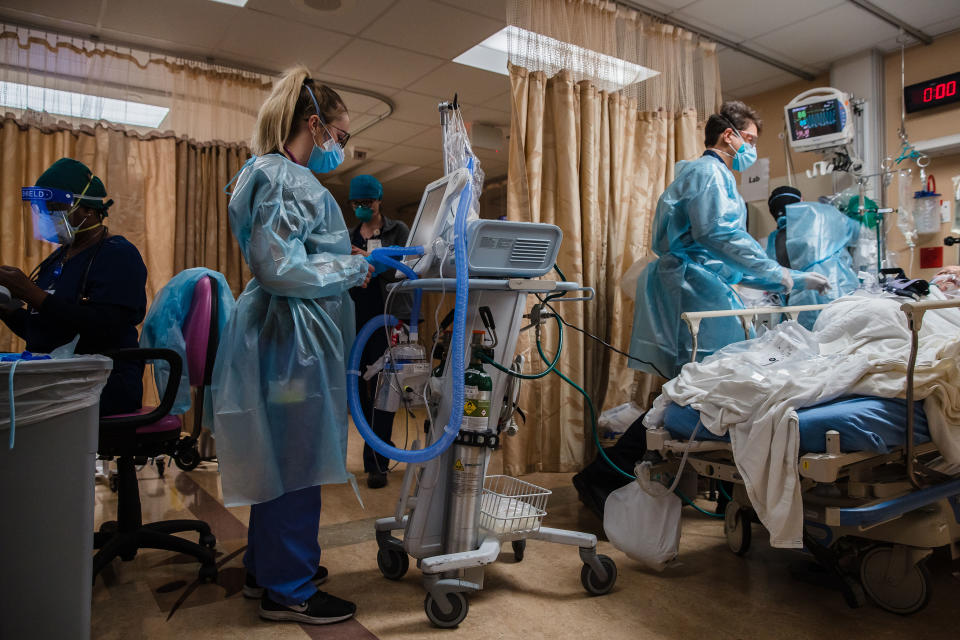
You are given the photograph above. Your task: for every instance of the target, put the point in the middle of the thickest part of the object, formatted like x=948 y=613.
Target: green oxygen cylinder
x=478 y=387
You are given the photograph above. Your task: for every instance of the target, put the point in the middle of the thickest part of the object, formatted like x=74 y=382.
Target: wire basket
x=510 y=507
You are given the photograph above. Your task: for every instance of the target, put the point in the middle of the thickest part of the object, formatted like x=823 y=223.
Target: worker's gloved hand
x=378 y=267
x=813 y=280
x=786 y=280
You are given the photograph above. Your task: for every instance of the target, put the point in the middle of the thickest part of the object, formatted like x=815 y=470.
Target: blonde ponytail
x=288 y=103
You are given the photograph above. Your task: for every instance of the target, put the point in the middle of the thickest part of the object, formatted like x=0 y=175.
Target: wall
x=922 y=63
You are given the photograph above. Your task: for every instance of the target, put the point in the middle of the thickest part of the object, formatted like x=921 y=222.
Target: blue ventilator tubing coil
x=458 y=342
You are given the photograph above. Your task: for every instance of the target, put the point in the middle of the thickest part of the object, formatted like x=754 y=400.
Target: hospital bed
x=874 y=508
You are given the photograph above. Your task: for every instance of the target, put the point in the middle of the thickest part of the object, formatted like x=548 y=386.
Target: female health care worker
x=279 y=383
x=700 y=236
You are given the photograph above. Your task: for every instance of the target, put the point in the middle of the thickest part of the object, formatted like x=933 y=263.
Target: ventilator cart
x=453 y=517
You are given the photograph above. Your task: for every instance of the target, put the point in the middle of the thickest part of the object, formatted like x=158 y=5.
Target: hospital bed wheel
x=113 y=482
x=161 y=466
x=187 y=459
x=593 y=584
x=519 y=546
x=737 y=528
x=903 y=595
x=447 y=620
x=393 y=563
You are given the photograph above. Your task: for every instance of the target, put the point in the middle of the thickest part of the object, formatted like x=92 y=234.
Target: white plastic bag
x=644 y=527
x=614 y=422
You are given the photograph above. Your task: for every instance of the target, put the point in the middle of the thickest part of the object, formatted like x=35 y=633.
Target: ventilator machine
x=453 y=516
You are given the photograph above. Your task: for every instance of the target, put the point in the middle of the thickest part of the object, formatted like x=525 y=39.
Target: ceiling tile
x=81 y=11
x=390 y=130
x=352 y=16
x=198 y=24
x=431 y=28
x=403 y=154
x=472 y=85
x=830 y=35
x=503 y=102
x=742 y=18
x=496 y=9
x=664 y=6
x=738 y=70
x=417 y=108
x=278 y=42
x=430 y=138
x=366 y=61
x=473 y=113
x=781 y=79
x=920 y=13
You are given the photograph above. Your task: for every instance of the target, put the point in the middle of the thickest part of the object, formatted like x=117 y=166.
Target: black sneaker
x=376 y=480
x=321 y=608
x=253 y=590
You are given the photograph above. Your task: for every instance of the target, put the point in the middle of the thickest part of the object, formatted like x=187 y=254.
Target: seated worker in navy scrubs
x=93 y=285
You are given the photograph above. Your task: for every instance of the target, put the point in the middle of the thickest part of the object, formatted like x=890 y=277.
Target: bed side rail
x=915 y=310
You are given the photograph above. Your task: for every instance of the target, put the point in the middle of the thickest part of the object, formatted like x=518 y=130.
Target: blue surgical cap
x=365 y=187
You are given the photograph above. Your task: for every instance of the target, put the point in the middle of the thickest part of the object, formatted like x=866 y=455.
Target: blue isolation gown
x=279 y=384
x=818 y=237
x=700 y=236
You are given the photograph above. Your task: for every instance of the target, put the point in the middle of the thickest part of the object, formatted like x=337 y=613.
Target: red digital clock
x=932 y=93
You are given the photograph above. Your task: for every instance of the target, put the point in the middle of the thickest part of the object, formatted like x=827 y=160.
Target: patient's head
x=780 y=198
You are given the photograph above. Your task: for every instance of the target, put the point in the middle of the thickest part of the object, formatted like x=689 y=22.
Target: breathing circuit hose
x=452 y=428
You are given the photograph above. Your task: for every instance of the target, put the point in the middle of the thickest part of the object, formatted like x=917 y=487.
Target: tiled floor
x=710 y=593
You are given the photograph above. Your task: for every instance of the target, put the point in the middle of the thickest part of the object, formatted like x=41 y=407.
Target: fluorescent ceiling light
x=235 y=3
x=606 y=72
x=80 y=105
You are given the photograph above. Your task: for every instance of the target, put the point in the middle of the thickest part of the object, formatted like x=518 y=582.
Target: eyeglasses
x=749 y=138
x=356 y=204
x=341 y=139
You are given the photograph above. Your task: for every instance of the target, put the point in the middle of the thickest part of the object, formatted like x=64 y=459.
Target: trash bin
x=46 y=542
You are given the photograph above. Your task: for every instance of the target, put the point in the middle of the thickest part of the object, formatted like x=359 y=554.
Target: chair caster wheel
x=208 y=573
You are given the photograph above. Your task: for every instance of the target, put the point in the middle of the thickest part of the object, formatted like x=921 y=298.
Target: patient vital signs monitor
x=819 y=119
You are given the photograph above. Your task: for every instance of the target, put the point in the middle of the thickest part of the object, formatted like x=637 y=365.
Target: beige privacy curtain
x=594 y=163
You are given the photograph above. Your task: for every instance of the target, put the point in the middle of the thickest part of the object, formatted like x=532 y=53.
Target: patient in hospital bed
x=851 y=368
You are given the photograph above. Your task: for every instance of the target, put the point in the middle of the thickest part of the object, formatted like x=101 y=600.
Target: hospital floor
x=709 y=593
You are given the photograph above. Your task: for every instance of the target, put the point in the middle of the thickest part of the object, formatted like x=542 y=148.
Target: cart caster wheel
x=903 y=594
x=519 y=546
x=592 y=583
x=113 y=483
x=737 y=528
x=447 y=620
x=393 y=563
x=187 y=459
x=208 y=573
x=161 y=466
x=208 y=540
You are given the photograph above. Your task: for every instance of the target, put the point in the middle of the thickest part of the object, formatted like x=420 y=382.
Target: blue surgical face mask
x=325 y=158
x=364 y=214
x=745 y=156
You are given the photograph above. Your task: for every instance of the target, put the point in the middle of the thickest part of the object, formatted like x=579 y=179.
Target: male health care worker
x=279 y=384
x=703 y=249
x=375 y=230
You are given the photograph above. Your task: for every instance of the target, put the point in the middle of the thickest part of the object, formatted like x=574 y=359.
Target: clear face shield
x=50 y=211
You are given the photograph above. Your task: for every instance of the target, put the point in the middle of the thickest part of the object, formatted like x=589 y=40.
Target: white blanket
x=860 y=345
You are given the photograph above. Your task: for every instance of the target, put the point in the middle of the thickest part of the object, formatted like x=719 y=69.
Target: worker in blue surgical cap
x=700 y=236
x=813 y=236
x=374 y=230
x=279 y=382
